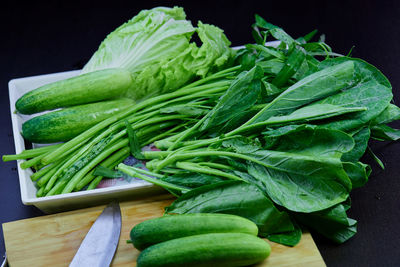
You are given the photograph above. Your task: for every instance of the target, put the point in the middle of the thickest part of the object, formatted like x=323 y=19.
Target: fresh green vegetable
x=385 y=132
x=154 y=46
x=371 y=90
x=277 y=139
x=166 y=228
x=333 y=223
x=217 y=249
x=301 y=168
x=30 y=153
x=63 y=125
x=82 y=89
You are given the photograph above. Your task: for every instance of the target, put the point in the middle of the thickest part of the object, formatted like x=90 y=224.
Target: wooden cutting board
x=54 y=239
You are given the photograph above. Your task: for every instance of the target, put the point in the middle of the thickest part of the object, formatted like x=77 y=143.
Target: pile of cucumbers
x=86 y=100
x=199 y=239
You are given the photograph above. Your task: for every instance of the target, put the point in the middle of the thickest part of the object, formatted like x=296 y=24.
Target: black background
x=39 y=38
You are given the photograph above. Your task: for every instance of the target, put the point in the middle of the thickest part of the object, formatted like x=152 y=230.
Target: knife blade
x=99 y=245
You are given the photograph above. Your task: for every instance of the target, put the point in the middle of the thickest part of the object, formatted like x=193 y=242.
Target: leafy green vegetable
x=376 y=158
x=300 y=189
x=192 y=179
x=291 y=238
x=241 y=95
x=308 y=139
x=357 y=172
x=133 y=141
x=292 y=65
x=275 y=31
x=371 y=90
x=389 y=114
x=329 y=81
x=155 y=47
x=333 y=223
x=106 y=172
x=310 y=113
x=361 y=138
x=277 y=138
x=385 y=132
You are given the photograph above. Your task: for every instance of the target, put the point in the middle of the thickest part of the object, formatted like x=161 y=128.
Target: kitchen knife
x=100 y=243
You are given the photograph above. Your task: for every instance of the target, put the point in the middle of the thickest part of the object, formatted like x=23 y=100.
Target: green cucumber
x=63 y=125
x=165 y=228
x=218 y=249
x=86 y=88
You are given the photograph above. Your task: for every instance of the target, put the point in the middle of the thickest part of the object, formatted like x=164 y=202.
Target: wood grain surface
x=54 y=239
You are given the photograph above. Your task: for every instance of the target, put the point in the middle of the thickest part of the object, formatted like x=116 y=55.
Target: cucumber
x=165 y=228
x=86 y=88
x=218 y=249
x=63 y=125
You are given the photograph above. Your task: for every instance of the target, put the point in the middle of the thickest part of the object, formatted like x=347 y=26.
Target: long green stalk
x=132 y=172
x=99 y=158
x=47 y=176
x=69 y=172
x=197 y=168
x=157 y=175
x=32 y=162
x=109 y=162
x=164 y=134
x=35 y=176
x=30 y=153
x=40 y=192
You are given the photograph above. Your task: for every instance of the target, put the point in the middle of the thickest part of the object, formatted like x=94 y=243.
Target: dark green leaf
x=385 y=132
x=292 y=65
x=237 y=120
x=240 y=96
x=332 y=223
x=242 y=145
x=257 y=35
x=282 y=36
x=375 y=158
x=328 y=81
x=357 y=172
x=310 y=113
x=271 y=67
x=372 y=91
x=310 y=140
x=291 y=238
x=309 y=66
x=262 y=23
x=310 y=35
x=361 y=142
x=302 y=187
x=106 y=172
x=267 y=52
x=270 y=89
x=389 y=114
x=302 y=170
x=275 y=31
x=191 y=179
x=133 y=142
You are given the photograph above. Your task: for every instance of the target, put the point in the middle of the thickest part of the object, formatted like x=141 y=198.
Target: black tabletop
x=39 y=38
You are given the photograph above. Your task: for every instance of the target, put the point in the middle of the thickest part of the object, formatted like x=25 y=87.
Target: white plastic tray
x=51 y=204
